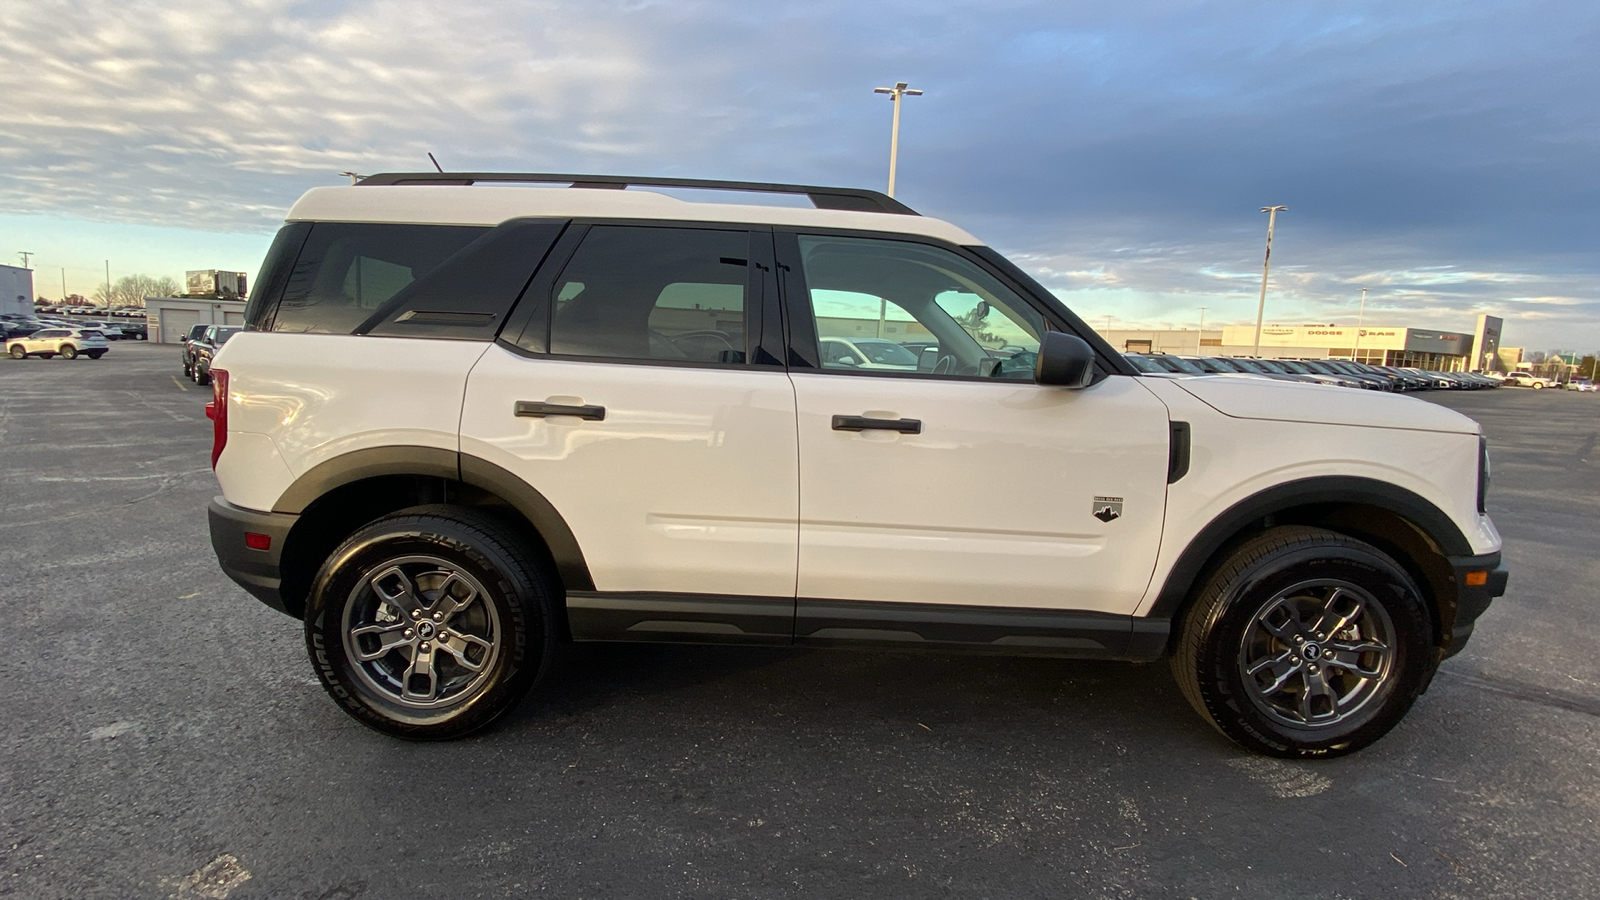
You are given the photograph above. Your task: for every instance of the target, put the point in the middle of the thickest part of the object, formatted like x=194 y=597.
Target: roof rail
x=849 y=199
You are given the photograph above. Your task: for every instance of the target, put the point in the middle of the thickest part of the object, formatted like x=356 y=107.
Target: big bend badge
x=1107 y=508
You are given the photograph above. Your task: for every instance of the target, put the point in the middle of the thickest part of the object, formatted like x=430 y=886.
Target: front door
x=945 y=475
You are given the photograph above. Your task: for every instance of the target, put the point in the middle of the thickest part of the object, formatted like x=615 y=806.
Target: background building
x=16 y=290
x=170 y=318
x=1486 y=344
x=1424 y=348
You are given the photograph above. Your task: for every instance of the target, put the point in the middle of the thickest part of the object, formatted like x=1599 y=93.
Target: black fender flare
x=449 y=465
x=1327 y=489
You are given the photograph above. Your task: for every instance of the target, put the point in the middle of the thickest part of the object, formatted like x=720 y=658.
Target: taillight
x=218 y=410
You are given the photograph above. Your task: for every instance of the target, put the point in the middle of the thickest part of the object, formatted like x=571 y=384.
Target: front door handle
x=538 y=409
x=862 y=423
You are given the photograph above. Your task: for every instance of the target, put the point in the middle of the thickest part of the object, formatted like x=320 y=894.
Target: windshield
x=886 y=352
x=224 y=333
x=1143 y=363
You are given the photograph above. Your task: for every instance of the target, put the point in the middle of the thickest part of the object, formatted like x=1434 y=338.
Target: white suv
x=68 y=343
x=470 y=419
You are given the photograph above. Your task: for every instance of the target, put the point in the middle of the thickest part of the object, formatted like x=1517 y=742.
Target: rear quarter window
x=435 y=281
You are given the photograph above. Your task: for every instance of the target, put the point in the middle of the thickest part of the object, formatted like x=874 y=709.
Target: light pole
x=1202 y=335
x=1261 y=308
x=1360 y=316
x=895 y=93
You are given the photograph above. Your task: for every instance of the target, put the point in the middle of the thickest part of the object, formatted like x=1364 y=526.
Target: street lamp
x=1261 y=308
x=1202 y=335
x=1361 y=316
x=895 y=93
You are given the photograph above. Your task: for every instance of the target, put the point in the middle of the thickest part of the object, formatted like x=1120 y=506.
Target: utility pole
x=1360 y=317
x=1201 y=336
x=108 y=282
x=25 y=254
x=895 y=93
x=63 y=284
x=1261 y=308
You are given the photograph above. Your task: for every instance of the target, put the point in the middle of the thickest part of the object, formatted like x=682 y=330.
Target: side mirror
x=1064 y=360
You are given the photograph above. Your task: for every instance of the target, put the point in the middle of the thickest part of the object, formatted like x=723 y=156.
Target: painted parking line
x=178 y=383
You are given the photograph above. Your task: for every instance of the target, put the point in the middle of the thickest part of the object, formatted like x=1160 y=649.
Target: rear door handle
x=538 y=409
x=862 y=423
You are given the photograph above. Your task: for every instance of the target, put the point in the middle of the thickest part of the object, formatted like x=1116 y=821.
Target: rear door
x=640 y=397
x=962 y=482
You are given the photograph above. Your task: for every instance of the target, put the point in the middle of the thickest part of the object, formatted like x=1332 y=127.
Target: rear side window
x=659 y=294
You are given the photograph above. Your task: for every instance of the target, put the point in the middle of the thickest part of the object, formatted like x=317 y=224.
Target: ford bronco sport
x=471 y=418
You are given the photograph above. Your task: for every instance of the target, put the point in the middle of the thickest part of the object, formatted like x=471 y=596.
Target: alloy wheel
x=421 y=632
x=1318 y=653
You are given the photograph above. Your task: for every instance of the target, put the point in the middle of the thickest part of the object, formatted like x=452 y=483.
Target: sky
x=1445 y=156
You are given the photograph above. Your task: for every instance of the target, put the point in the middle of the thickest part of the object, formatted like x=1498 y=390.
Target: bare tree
x=130 y=290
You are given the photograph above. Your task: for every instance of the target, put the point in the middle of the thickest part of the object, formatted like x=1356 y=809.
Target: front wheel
x=94 y=354
x=1305 y=643
x=1537 y=386
x=69 y=352
x=430 y=624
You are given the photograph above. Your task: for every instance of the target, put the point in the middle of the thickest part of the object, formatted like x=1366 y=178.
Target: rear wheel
x=94 y=354
x=69 y=352
x=201 y=378
x=1537 y=386
x=17 y=352
x=429 y=624
x=1305 y=643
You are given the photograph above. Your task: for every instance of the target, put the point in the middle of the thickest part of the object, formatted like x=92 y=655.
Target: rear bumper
x=1473 y=599
x=257 y=571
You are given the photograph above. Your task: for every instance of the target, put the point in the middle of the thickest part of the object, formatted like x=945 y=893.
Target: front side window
x=892 y=306
x=659 y=294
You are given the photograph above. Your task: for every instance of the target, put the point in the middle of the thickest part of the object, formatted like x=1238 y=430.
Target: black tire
x=1355 y=681
x=94 y=354
x=17 y=352
x=437 y=550
x=201 y=378
x=69 y=352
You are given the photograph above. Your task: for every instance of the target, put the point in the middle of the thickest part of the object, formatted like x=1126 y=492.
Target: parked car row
x=15 y=325
x=1336 y=372
x=116 y=312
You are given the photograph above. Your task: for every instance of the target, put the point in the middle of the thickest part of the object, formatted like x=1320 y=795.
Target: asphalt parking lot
x=158 y=720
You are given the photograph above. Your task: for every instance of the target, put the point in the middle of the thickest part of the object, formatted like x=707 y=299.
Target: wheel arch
x=338 y=496
x=1403 y=524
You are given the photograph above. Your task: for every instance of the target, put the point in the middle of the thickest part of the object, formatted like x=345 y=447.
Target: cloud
x=1438 y=153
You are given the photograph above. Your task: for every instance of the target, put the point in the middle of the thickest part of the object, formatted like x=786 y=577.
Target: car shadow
x=826 y=688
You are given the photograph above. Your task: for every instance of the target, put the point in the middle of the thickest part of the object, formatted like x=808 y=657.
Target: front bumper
x=1478 y=579
x=257 y=571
